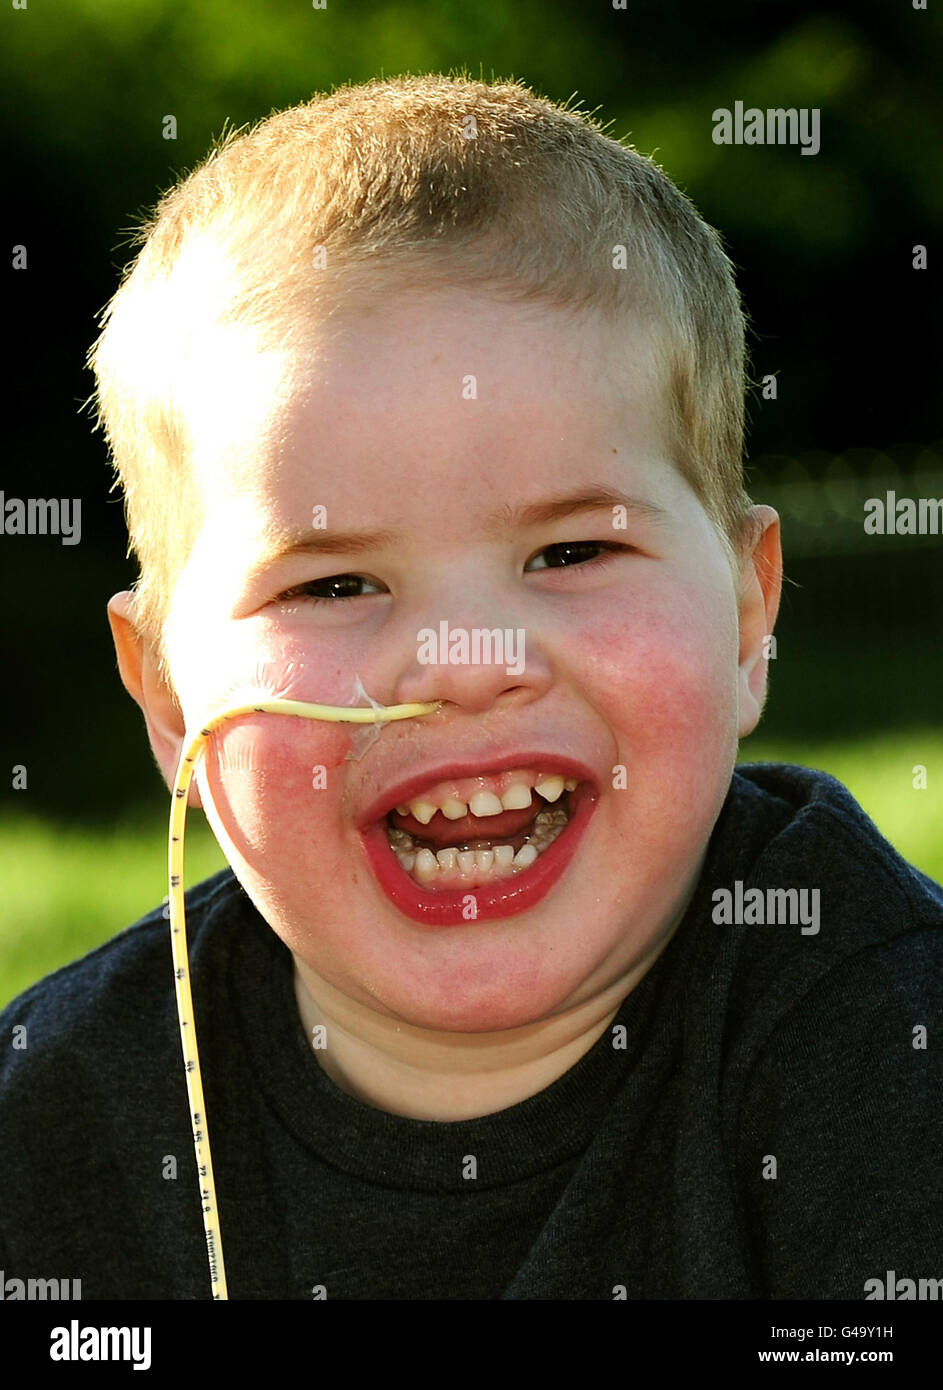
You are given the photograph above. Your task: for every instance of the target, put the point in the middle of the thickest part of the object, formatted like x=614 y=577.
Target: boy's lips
x=494 y=895
x=479 y=897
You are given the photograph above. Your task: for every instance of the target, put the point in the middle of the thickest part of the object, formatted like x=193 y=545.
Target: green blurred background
x=823 y=247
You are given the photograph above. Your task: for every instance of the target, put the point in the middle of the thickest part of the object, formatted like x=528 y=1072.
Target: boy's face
x=435 y=418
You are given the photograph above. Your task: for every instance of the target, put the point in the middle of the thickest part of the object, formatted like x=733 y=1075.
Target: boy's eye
x=337 y=588
x=571 y=553
x=334 y=588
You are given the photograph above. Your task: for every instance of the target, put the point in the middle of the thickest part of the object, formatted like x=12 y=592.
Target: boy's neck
x=429 y=1075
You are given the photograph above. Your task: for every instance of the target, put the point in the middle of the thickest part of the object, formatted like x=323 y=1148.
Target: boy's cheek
x=272 y=778
x=664 y=680
x=666 y=689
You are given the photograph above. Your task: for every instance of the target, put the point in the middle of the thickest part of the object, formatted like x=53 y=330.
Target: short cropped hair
x=441 y=179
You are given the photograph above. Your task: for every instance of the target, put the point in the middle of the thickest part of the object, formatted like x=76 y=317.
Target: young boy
x=429 y=391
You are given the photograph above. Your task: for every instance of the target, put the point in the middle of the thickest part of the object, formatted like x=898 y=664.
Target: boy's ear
x=139 y=670
x=761 y=578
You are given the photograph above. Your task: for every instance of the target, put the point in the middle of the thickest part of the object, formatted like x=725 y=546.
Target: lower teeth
x=459 y=868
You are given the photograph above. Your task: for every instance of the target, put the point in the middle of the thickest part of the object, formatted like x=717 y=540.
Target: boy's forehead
x=232 y=394
x=442 y=379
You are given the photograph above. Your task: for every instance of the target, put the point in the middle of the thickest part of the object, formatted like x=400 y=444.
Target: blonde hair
x=436 y=180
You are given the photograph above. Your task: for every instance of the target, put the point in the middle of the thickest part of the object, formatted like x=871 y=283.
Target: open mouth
x=462 y=851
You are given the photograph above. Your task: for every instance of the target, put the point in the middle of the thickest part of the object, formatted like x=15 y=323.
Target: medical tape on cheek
x=194 y=746
x=364 y=736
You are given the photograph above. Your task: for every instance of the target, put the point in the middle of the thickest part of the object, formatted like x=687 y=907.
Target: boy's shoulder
x=813 y=914
x=91 y=1090
x=110 y=1000
x=814 y=836
x=823 y=1042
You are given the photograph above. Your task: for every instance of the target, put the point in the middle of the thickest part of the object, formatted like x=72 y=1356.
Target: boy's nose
x=474 y=667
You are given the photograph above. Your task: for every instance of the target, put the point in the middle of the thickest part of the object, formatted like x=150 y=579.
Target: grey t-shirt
x=763 y=1119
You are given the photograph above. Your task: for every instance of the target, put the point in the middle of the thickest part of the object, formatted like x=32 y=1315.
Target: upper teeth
x=484 y=803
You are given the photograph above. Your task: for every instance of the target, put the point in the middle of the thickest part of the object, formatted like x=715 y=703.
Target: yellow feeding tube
x=193 y=750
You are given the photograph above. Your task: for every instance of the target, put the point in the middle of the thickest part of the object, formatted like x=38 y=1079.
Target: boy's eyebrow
x=591 y=499
x=507 y=518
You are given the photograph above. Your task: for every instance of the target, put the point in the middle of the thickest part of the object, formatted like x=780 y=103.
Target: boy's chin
x=452 y=1004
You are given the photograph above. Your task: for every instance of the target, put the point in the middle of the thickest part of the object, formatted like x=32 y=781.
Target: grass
x=67 y=890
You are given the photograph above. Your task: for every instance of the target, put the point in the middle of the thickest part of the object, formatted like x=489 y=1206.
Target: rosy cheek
x=661 y=671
